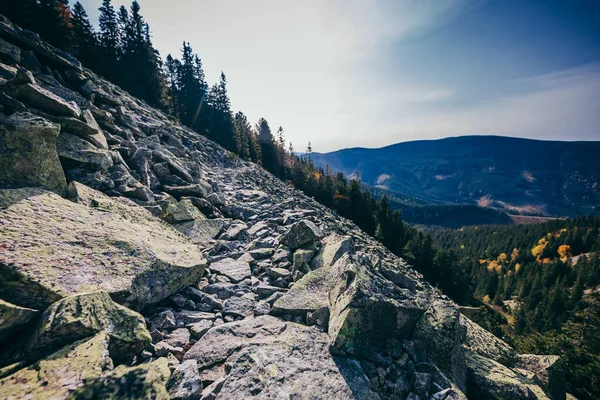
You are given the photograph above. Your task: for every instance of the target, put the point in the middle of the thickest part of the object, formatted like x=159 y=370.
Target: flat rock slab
x=53 y=248
x=274 y=359
x=235 y=270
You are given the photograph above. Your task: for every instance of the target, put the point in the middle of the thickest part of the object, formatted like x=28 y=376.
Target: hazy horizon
x=351 y=74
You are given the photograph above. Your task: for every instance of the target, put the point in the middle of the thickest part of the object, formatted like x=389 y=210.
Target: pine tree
x=84 y=43
x=109 y=40
x=55 y=16
x=221 y=128
x=267 y=147
x=309 y=153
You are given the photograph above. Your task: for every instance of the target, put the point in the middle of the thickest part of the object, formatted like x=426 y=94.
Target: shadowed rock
x=59 y=374
x=13 y=318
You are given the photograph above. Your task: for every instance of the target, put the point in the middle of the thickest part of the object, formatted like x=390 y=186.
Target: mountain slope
x=245 y=286
x=517 y=175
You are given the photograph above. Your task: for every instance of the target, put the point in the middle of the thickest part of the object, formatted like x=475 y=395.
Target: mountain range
x=514 y=175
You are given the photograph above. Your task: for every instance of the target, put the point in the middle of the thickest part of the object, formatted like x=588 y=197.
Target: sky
x=368 y=73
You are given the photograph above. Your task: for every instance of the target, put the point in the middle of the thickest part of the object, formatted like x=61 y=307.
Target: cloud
x=564 y=105
x=336 y=72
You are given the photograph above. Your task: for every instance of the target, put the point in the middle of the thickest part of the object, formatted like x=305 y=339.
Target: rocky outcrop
x=28 y=153
x=54 y=248
x=245 y=286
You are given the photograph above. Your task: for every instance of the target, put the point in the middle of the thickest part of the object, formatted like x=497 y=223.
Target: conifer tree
x=109 y=39
x=309 y=152
x=84 y=43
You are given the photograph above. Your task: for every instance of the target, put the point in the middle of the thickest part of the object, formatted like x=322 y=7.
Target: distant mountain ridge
x=517 y=175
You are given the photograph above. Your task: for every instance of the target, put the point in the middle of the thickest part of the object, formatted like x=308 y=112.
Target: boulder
x=195 y=190
x=549 y=372
x=14 y=318
x=485 y=344
x=114 y=246
x=185 y=381
x=366 y=309
x=75 y=151
x=333 y=247
x=58 y=375
x=301 y=233
x=488 y=379
x=86 y=128
x=308 y=294
x=83 y=315
x=28 y=153
x=274 y=359
x=23 y=76
x=238 y=306
x=235 y=270
x=184 y=211
x=46 y=101
x=146 y=381
x=440 y=333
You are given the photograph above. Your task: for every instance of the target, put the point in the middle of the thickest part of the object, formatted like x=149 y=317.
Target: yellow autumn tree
x=494 y=266
x=517 y=267
x=486 y=299
x=502 y=258
x=564 y=251
x=514 y=254
x=539 y=249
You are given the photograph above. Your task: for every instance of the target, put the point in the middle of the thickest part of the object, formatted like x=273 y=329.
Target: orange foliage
x=564 y=251
x=517 y=267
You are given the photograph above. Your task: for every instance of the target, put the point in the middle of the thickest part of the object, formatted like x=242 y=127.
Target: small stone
x=198 y=329
x=163 y=320
x=179 y=338
x=162 y=349
x=279 y=273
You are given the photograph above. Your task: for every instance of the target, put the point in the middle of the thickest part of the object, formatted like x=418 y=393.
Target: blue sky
x=344 y=73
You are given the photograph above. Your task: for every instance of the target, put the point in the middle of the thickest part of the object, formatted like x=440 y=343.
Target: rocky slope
x=140 y=260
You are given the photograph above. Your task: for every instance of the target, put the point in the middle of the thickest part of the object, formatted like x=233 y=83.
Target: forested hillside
x=520 y=176
x=543 y=281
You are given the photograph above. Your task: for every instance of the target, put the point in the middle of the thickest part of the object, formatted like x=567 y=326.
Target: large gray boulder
x=366 y=309
x=301 y=233
x=280 y=360
x=77 y=152
x=235 y=270
x=549 y=372
x=79 y=316
x=441 y=334
x=46 y=101
x=28 y=153
x=488 y=379
x=482 y=342
x=114 y=246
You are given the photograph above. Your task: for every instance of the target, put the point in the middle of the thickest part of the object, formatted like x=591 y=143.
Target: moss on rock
x=61 y=373
x=83 y=315
x=53 y=248
x=28 y=154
